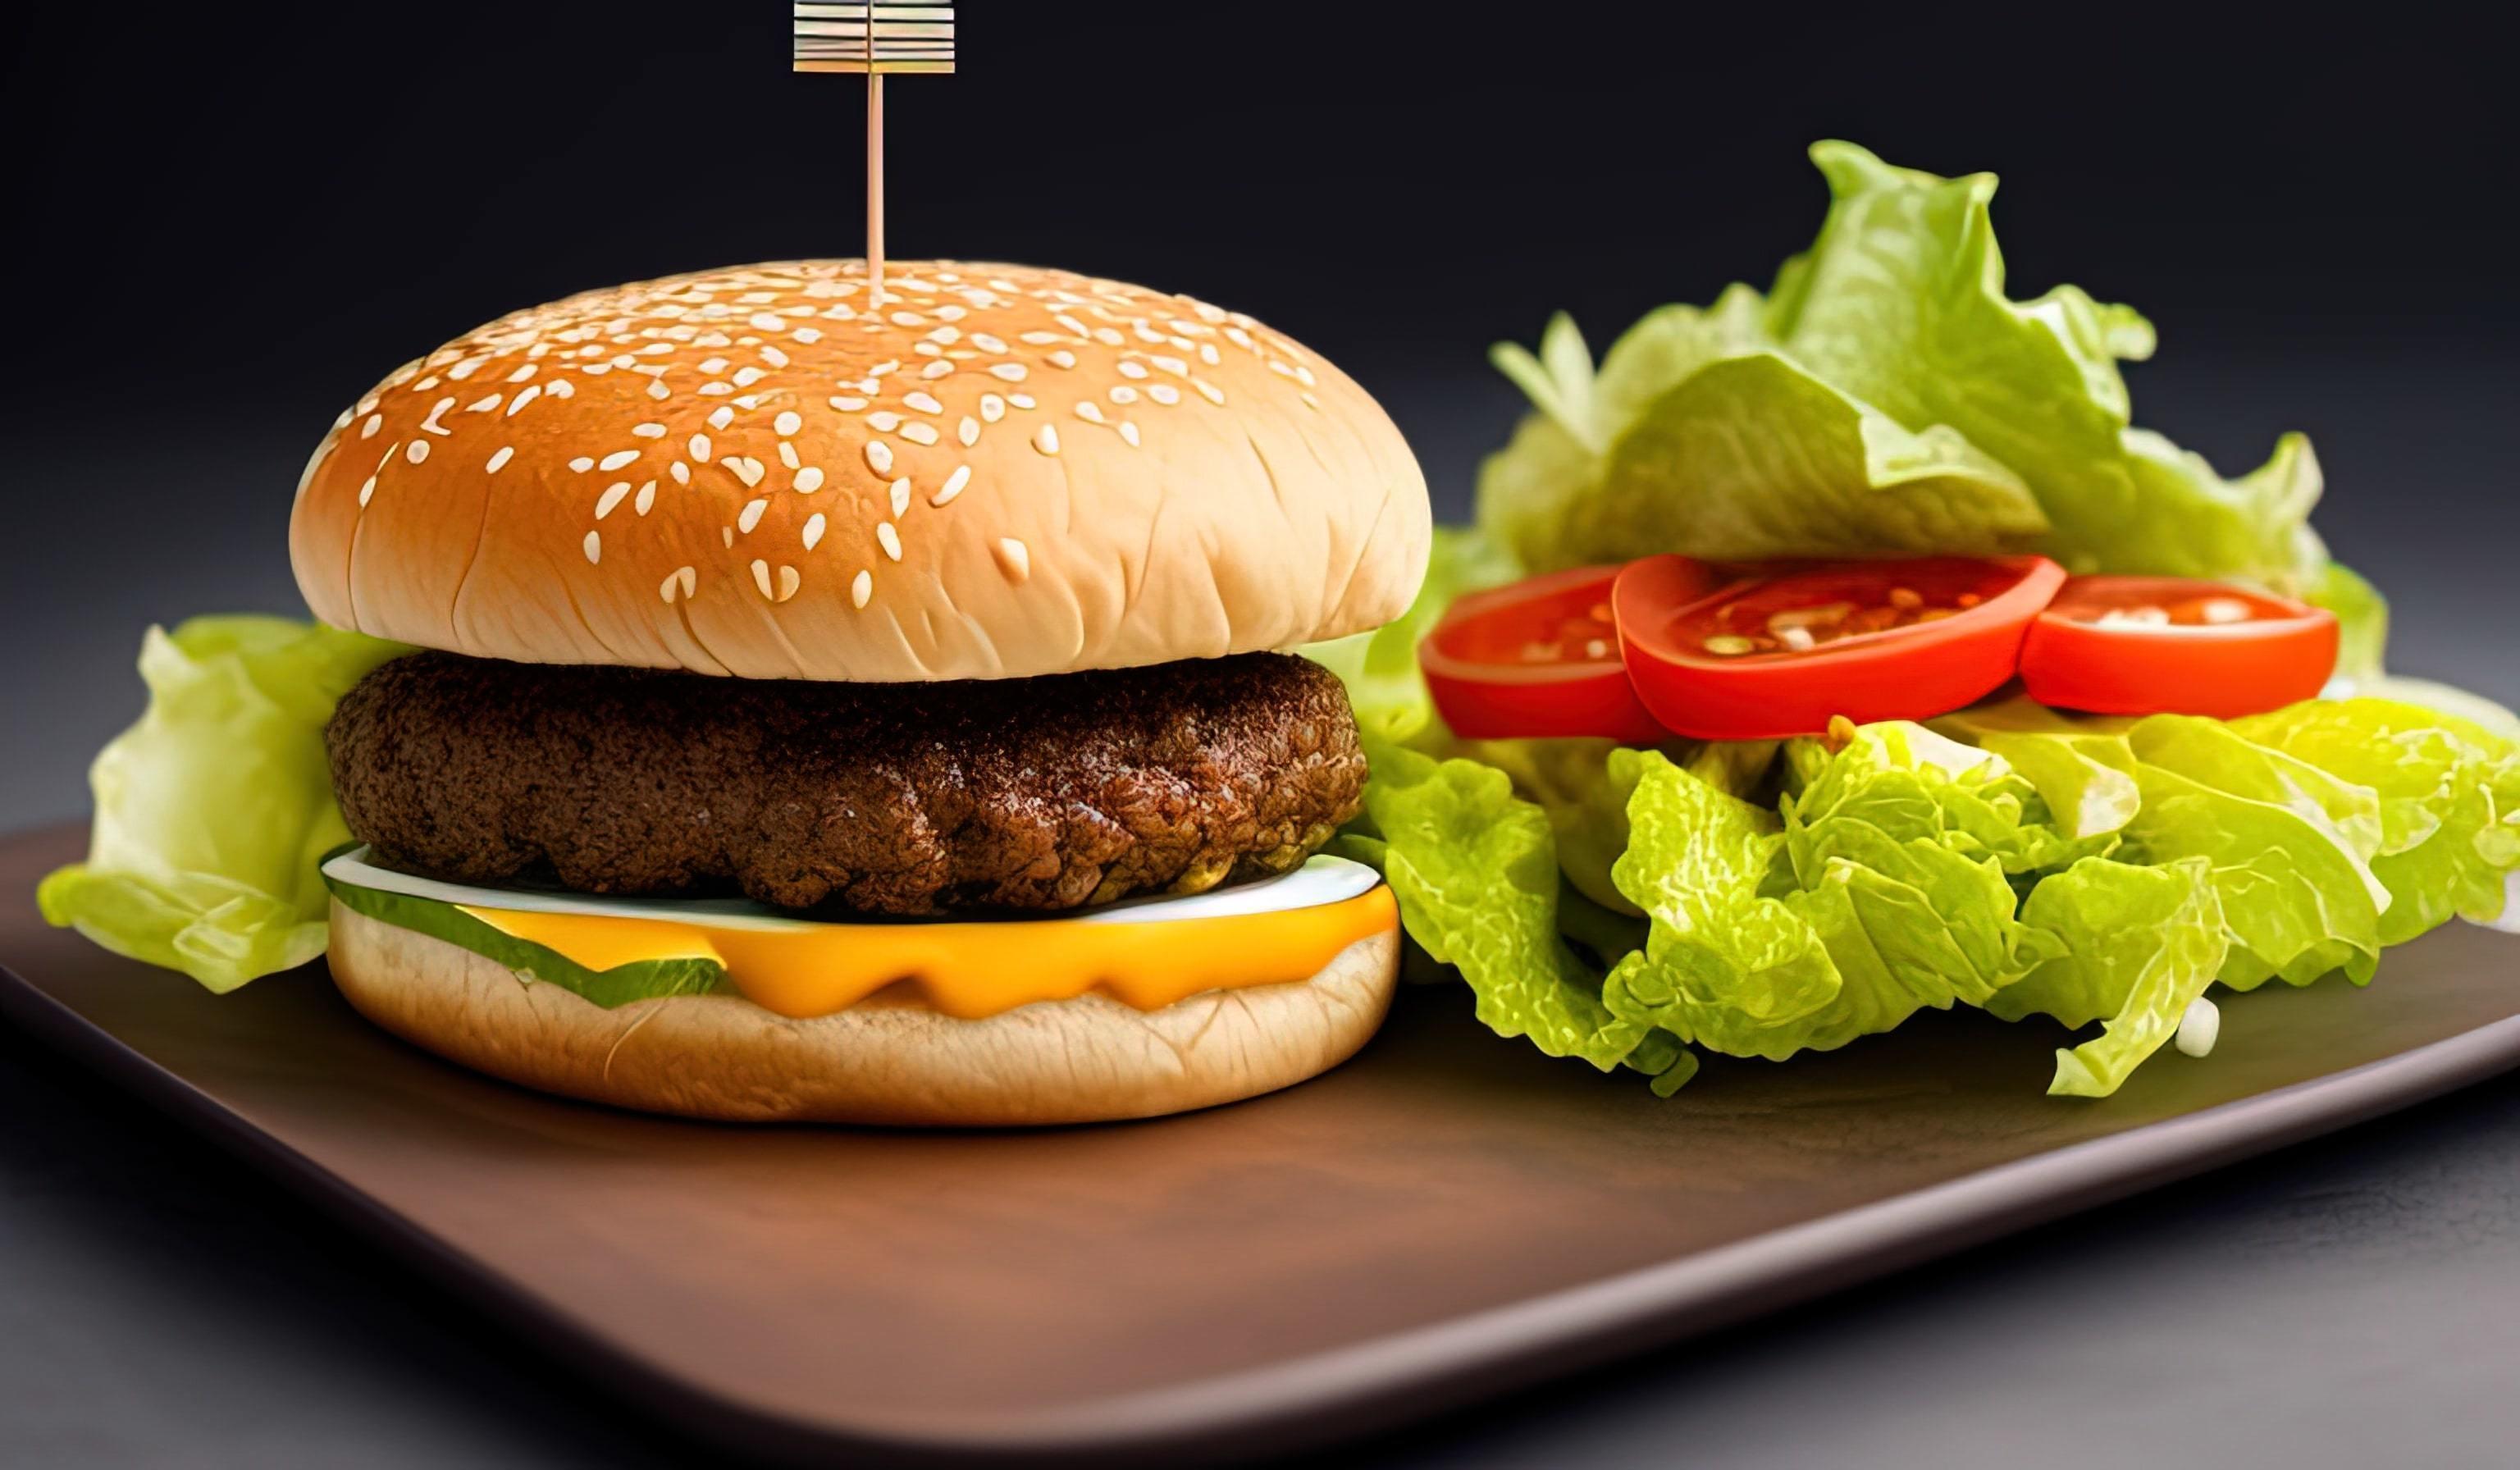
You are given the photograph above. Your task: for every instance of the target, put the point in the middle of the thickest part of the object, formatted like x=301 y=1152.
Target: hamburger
x=832 y=710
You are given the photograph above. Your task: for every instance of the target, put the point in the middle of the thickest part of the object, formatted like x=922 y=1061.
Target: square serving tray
x=1446 y=1216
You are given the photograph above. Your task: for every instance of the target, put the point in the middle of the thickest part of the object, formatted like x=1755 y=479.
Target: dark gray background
x=225 y=227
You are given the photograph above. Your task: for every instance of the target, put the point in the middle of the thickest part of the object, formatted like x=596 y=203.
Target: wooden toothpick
x=874 y=37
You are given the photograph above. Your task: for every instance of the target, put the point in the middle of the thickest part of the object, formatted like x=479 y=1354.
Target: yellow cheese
x=972 y=970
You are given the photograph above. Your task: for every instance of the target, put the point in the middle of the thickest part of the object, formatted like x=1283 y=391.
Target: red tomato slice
x=2150 y=645
x=1868 y=640
x=1537 y=658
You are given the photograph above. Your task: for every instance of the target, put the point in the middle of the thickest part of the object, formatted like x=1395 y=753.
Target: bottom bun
x=888 y=1059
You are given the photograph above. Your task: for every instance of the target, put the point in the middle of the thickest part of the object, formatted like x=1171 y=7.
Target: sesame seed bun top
x=1001 y=470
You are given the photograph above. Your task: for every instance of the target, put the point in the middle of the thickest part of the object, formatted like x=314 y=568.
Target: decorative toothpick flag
x=873 y=37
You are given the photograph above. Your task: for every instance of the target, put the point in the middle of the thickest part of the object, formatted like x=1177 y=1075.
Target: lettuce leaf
x=213 y=811
x=2139 y=945
x=2449 y=798
x=1887 y=398
x=1475 y=870
x=1861 y=903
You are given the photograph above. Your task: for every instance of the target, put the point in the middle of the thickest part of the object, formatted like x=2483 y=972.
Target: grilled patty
x=888 y=798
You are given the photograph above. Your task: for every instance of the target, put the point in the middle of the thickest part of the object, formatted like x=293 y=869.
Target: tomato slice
x=1537 y=658
x=2150 y=645
x=1868 y=639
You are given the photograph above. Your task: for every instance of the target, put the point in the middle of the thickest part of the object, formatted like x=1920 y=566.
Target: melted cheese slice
x=1147 y=953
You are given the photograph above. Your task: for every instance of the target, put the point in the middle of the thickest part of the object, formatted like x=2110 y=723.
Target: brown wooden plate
x=1446 y=1216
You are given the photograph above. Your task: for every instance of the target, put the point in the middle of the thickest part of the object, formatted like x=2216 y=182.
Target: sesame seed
x=992 y=408
x=879 y=456
x=1108 y=338
x=809 y=480
x=899 y=493
x=936 y=369
x=787 y=455
x=681 y=472
x=765 y=321
x=1173 y=365
x=919 y=433
x=745 y=469
x=808 y=334
x=861 y=589
x=1020 y=400
x=561 y=388
x=969 y=431
x=788 y=423
x=847 y=405
x=699 y=448
x=888 y=538
x=367 y=491
x=750 y=515
x=1310 y=401
x=1121 y=392
x=1009 y=372
x=721 y=416
x=712 y=367
x=648 y=430
x=788 y=582
x=987 y=344
x=746 y=377
x=522 y=373
x=526 y=395
x=418 y=450
x=813 y=536
x=611 y=498
x=1013 y=559
x=667 y=587
x=952 y=485
x=647 y=499
x=1208 y=391
x=715 y=390
x=1062 y=358
x=924 y=403
x=595 y=547
x=883 y=421
x=1089 y=411
x=761 y=576
x=1047 y=441
x=1129 y=432
x=657 y=389
x=617 y=459
x=499 y=460
x=582 y=464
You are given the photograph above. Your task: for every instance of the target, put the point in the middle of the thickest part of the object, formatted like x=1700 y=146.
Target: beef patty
x=889 y=798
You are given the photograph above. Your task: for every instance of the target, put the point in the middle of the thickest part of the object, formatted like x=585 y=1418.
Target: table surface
x=2346 y=1302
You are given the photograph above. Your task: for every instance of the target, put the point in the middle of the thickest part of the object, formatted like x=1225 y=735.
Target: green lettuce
x=2138 y=947
x=1873 y=895
x=1887 y=398
x=213 y=811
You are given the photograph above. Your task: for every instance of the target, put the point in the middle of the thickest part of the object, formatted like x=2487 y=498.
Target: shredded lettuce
x=213 y=811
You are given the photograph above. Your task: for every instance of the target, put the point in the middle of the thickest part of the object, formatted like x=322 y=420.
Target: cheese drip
x=972 y=970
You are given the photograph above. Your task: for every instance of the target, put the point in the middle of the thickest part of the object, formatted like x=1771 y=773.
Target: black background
x=223 y=223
